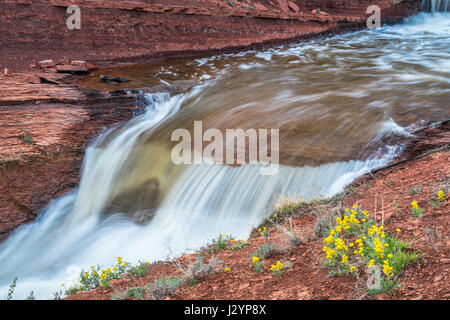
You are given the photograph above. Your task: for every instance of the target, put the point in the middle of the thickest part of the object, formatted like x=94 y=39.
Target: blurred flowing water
x=343 y=105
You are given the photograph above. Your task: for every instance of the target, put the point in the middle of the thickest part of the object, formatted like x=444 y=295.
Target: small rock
x=445 y=260
x=6 y=71
x=113 y=79
x=72 y=69
x=81 y=63
x=437 y=279
x=302 y=295
x=46 y=63
x=293 y=6
x=315 y=11
x=243 y=286
x=283 y=6
x=260 y=7
x=382 y=296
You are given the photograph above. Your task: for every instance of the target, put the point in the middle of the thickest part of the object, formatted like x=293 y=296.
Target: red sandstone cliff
x=33 y=30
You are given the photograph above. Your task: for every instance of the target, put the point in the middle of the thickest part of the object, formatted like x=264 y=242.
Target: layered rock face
x=34 y=30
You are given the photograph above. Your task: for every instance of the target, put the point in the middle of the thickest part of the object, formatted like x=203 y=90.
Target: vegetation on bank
x=353 y=245
x=356 y=245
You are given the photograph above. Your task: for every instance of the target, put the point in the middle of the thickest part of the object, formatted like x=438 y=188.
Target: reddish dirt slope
x=428 y=278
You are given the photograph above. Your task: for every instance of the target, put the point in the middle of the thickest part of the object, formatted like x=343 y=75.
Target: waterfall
x=435 y=6
x=82 y=228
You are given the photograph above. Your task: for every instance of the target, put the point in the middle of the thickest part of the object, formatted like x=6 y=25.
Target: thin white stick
x=375 y=213
x=382 y=209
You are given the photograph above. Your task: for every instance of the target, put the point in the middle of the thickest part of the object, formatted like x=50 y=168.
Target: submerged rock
x=113 y=79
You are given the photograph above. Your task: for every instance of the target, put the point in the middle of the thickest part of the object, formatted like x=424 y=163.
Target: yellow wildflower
x=344 y=259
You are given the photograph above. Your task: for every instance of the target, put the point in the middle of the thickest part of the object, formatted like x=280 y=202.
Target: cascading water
x=435 y=5
x=336 y=101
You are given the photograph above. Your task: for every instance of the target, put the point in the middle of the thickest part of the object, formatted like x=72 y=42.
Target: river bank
x=387 y=193
x=135 y=31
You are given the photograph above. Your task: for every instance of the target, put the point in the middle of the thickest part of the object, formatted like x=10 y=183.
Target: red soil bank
x=34 y=30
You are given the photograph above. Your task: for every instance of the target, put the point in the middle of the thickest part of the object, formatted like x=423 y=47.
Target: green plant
x=221 y=243
x=155 y=290
x=230 y=3
x=385 y=285
x=240 y=245
x=277 y=269
x=264 y=232
x=356 y=241
x=140 y=270
x=289 y=232
x=438 y=200
x=162 y=288
x=416 y=211
x=11 y=289
x=264 y=251
x=72 y=290
x=119 y=296
x=432 y=236
x=257 y=263
x=28 y=139
x=57 y=295
x=137 y=292
x=197 y=269
x=415 y=190
x=31 y=296
x=98 y=277
x=395 y=206
x=323 y=225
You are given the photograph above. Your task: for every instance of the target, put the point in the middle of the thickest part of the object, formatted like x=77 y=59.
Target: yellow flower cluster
x=277 y=267
x=378 y=247
x=415 y=205
x=329 y=252
x=360 y=250
x=440 y=195
x=340 y=244
x=104 y=275
x=328 y=240
x=350 y=220
x=387 y=268
x=255 y=259
x=375 y=230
